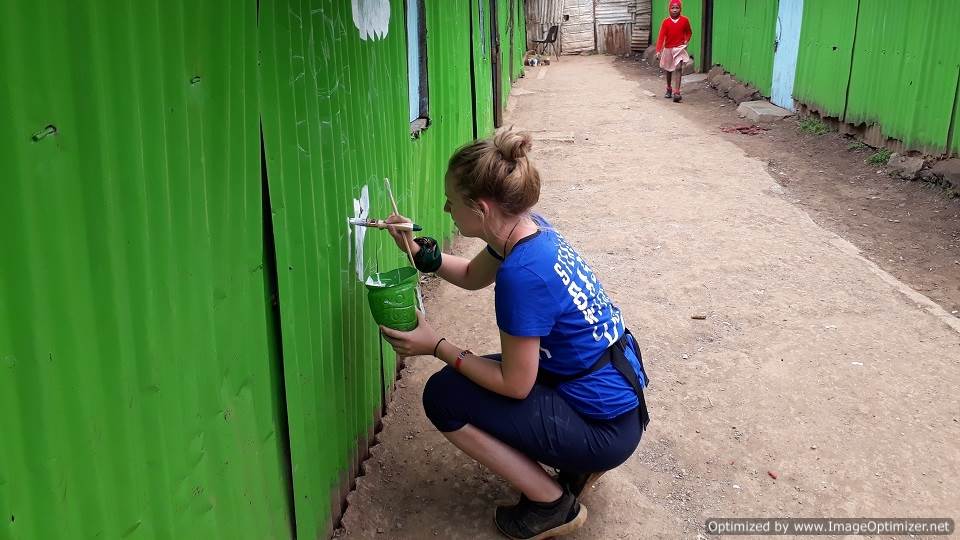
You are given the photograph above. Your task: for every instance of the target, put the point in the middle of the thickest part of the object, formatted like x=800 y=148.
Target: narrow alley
x=817 y=384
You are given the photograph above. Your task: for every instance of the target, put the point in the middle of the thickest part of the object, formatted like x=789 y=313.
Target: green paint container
x=393 y=298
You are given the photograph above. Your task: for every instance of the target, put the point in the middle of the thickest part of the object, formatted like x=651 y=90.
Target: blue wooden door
x=789 y=17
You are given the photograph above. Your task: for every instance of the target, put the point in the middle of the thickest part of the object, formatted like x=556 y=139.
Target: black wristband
x=437 y=346
x=428 y=259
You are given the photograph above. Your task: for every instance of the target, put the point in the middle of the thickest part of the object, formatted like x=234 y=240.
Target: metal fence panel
x=905 y=70
x=138 y=377
x=335 y=124
x=744 y=32
x=826 y=51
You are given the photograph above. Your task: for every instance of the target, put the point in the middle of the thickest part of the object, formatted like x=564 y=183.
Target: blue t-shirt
x=544 y=288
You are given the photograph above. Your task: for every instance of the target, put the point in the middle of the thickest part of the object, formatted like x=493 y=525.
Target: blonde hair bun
x=513 y=144
x=499 y=170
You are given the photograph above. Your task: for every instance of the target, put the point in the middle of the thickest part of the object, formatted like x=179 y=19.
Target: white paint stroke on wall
x=361 y=210
x=372 y=18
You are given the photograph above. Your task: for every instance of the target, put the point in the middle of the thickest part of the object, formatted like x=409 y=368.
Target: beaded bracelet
x=463 y=354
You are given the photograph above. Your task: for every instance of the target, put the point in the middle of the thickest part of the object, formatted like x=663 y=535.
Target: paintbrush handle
x=399 y=226
x=380 y=224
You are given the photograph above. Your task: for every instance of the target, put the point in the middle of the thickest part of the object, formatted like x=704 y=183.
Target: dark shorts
x=543 y=426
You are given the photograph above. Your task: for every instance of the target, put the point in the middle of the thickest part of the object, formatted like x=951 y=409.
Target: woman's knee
x=438 y=396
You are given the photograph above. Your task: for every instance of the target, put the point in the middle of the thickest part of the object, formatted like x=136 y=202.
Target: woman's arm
x=514 y=376
x=470 y=274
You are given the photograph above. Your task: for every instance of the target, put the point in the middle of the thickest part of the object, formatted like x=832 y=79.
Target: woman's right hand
x=403 y=239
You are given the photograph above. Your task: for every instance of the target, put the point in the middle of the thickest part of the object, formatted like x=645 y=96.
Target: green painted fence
x=824 y=58
x=914 y=49
x=511 y=26
x=692 y=10
x=886 y=62
x=139 y=379
x=482 y=66
x=335 y=123
x=150 y=386
x=744 y=32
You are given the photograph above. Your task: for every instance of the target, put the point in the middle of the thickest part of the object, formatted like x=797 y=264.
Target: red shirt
x=674 y=33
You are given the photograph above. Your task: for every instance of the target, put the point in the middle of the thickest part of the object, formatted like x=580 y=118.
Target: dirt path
x=813 y=362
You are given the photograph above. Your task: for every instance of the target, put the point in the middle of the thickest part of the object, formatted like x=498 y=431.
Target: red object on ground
x=772 y=474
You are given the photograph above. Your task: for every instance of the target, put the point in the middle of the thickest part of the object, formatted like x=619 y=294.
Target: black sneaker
x=668 y=94
x=528 y=520
x=580 y=484
x=677 y=97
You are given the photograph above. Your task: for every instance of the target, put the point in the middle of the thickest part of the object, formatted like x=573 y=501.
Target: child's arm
x=687 y=32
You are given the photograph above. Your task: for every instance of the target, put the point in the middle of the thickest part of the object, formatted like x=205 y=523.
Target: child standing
x=675 y=33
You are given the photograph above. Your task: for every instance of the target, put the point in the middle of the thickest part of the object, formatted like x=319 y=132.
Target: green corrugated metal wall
x=692 y=10
x=519 y=38
x=512 y=31
x=482 y=67
x=743 y=39
x=826 y=50
x=138 y=378
x=140 y=358
x=335 y=120
x=906 y=65
x=506 y=47
x=884 y=62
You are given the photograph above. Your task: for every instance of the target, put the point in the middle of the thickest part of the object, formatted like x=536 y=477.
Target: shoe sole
x=559 y=530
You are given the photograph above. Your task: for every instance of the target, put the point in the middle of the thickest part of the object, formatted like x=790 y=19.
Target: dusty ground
x=814 y=363
x=910 y=229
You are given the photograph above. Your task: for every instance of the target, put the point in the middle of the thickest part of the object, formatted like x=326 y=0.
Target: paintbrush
x=381 y=224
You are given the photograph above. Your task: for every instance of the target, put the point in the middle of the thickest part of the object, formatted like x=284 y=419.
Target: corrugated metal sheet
x=140 y=368
x=612 y=12
x=826 y=51
x=138 y=373
x=519 y=39
x=906 y=65
x=953 y=140
x=744 y=35
x=614 y=20
x=334 y=120
x=512 y=28
x=883 y=62
x=694 y=12
x=482 y=66
x=614 y=38
x=642 y=25
x=541 y=15
x=577 y=34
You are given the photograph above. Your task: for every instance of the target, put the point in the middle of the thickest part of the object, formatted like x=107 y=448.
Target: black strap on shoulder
x=493 y=253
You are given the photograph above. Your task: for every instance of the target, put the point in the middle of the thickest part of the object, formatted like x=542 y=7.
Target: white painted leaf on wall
x=361 y=211
x=372 y=18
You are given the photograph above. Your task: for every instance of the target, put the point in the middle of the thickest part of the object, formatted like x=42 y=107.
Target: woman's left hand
x=417 y=342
